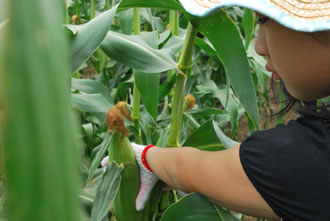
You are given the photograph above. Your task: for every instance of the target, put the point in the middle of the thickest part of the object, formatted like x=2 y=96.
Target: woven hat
x=299 y=15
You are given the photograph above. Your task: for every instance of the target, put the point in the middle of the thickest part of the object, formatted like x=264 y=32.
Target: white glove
x=147 y=178
x=105 y=163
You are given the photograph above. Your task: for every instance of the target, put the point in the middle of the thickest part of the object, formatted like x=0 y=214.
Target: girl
x=281 y=173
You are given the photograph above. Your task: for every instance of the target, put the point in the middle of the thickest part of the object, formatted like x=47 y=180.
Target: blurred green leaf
x=193 y=207
x=40 y=147
x=224 y=36
x=148 y=85
x=126 y=21
x=3 y=11
x=259 y=65
x=151 y=38
x=210 y=139
x=225 y=215
x=206 y=112
x=134 y=52
x=227 y=142
x=3 y=31
x=206 y=46
x=224 y=96
x=248 y=24
x=96 y=162
x=175 y=43
x=168 y=4
x=166 y=87
x=91 y=87
x=89 y=36
x=163 y=36
x=91 y=102
x=106 y=191
x=3 y=24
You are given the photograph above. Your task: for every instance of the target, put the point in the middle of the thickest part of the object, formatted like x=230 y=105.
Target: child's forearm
x=172 y=165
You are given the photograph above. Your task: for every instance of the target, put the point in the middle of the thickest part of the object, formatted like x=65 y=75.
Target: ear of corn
x=120 y=151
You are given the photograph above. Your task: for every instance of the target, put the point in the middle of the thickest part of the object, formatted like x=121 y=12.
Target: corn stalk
x=92 y=9
x=174 y=26
x=107 y=4
x=177 y=105
x=136 y=93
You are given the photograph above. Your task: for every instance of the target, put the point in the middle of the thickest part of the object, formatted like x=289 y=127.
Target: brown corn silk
x=191 y=101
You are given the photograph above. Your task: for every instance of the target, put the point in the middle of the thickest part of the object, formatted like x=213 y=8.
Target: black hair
x=313 y=109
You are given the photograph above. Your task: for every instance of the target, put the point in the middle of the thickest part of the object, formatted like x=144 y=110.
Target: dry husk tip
x=122 y=106
x=191 y=101
x=115 y=121
x=75 y=19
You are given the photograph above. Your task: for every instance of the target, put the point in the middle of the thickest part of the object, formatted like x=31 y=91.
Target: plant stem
x=177 y=105
x=92 y=9
x=174 y=22
x=136 y=112
x=174 y=26
x=136 y=21
x=67 y=17
x=77 y=8
x=107 y=4
x=177 y=109
x=136 y=93
x=186 y=55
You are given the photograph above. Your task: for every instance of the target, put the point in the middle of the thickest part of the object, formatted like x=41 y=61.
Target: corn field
x=81 y=79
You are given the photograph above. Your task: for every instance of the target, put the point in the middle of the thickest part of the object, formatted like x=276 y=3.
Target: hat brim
x=264 y=7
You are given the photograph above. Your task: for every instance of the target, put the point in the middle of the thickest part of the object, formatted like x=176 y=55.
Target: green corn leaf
x=88 y=37
x=248 y=24
x=168 y=4
x=207 y=112
x=225 y=97
x=163 y=36
x=95 y=103
x=210 y=139
x=151 y=38
x=224 y=36
x=102 y=149
x=148 y=85
x=227 y=142
x=175 y=43
x=126 y=21
x=40 y=149
x=206 y=46
x=225 y=215
x=134 y=52
x=193 y=207
x=3 y=11
x=91 y=87
x=106 y=191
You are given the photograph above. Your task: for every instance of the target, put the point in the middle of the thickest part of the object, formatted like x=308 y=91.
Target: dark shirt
x=289 y=166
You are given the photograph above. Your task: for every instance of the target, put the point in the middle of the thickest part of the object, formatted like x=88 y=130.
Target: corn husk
x=120 y=151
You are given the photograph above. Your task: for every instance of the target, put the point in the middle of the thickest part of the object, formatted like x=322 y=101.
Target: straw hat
x=300 y=15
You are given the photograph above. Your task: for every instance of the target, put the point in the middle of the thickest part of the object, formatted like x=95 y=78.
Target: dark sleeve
x=289 y=167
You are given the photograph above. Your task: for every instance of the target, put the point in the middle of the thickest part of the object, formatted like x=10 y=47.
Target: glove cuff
x=143 y=157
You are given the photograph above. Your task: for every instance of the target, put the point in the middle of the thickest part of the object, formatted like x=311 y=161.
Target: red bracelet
x=143 y=156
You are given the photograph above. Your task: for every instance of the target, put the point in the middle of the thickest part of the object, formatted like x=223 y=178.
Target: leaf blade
x=224 y=36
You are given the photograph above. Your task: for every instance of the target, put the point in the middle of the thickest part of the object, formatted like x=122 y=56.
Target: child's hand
x=147 y=178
